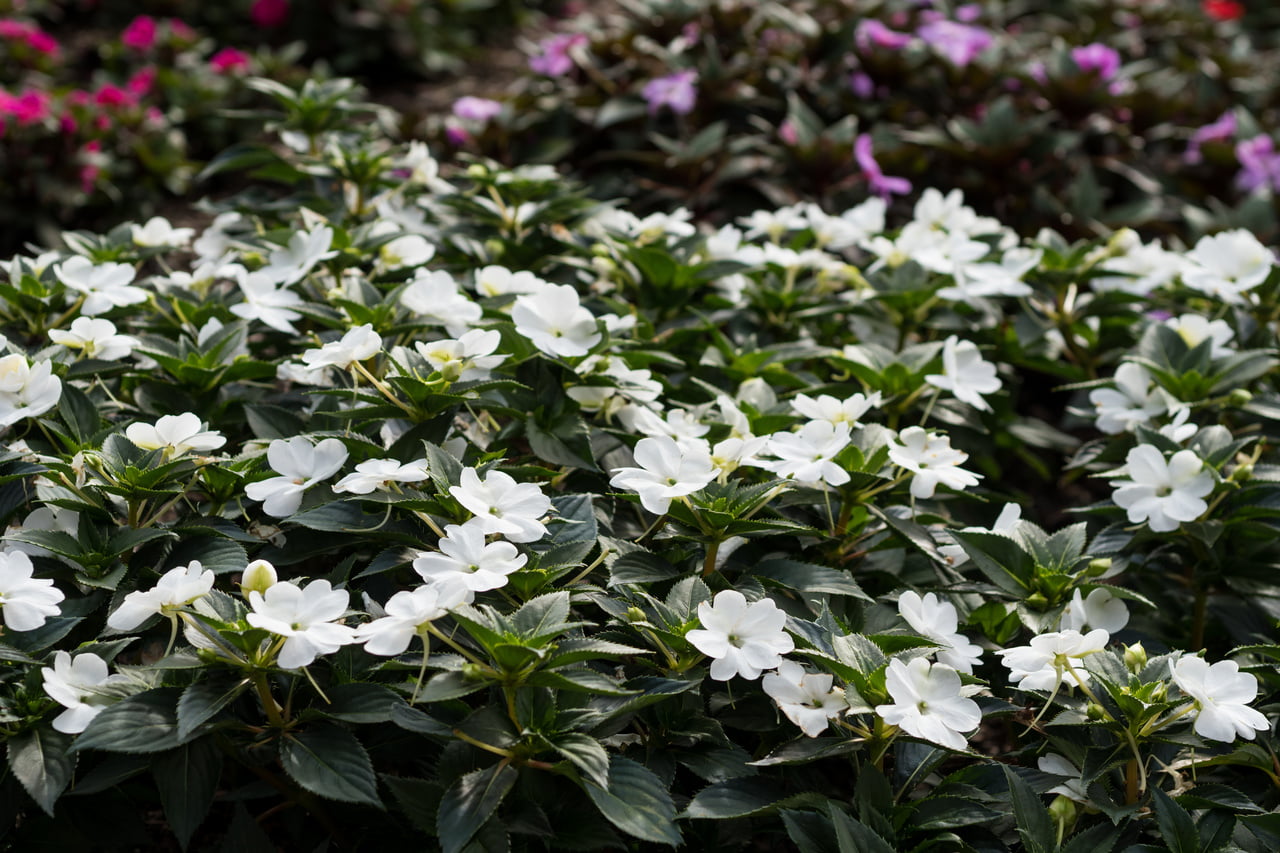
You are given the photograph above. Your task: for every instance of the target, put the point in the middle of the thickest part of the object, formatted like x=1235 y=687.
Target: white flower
x=103 y=286
x=26 y=390
x=305 y=616
x=1142 y=268
x=928 y=703
x=1132 y=402
x=465 y=561
x=732 y=453
x=160 y=234
x=290 y=263
x=1049 y=658
x=965 y=373
x=1194 y=329
x=806 y=698
x=938 y=620
x=500 y=281
x=1222 y=694
x=1100 y=610
x=466 y=359
x=409 y=612
x=95 y=338
x=357 y=344
x=836 y=412
x=744 y=639
x=75 y=684
x=806 y=456
x=775 y=224
x=300 y=465
x=176 y=434
x=1178 y=430
x=930 y=457
x=1058 y=765
x=375 y=473
x=978 y=281
x=25 y=601
x=215 y=241
x=265 y=302
x=176 y=589
x=411 y=250
x=667 y=470
x=503 y=506
x=1226 y=265
x=1163 y=493
x=434 y=296
x=555 y=322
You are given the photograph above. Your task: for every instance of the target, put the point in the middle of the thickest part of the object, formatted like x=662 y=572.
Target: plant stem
x=268 y=701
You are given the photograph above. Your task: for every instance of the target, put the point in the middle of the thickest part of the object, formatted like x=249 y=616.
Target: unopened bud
x=472 y=672
x=1063 y=810
x=1038 y=601
x=1094 y=711
x=1242 y=473
x=1239 y=397
x=476 y=170
x=1099 y=566
x=635 y=614
x=259 y=576
x=1135 y=657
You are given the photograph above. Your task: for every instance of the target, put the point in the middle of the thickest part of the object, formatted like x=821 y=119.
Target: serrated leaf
x=147 y=722
x=201 y=701
x=41 y=761
x=585 y=753
x=636 y=802
x=328 y=760
x=466 y=806
x=1176 y=826
x=187 y=778
x=1032 y=818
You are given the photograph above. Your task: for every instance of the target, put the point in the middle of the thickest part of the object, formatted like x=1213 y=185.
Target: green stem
x=709 y=563
x=268 y=701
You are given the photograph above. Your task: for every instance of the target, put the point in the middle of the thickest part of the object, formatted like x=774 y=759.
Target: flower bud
x=1094 y=711
x=1037 y=600
x=477 y=170
x=472 y=672
x=258 y=576
x=1063 y=810
x=1135 y=657
x=1239 y=397
x=1241 y=473
x=635 y=614
x=1099 y=566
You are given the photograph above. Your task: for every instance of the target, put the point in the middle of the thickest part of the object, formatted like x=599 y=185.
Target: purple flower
x=862 y=85
x=880 y=183
x=554 y=59
x=476 y=109
x=968 y=13
x=872 y=32
x=677 y=91
x=1219 y=131
x=960 y=43
x=1259 y=164
x=1098 y=59
x=456 y=135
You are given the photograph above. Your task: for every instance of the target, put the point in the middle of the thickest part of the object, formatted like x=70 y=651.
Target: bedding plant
x=454 y=509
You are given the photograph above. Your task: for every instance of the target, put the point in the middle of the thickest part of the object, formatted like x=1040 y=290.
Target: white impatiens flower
x=177 y=435
x=1049 y=659
x=806 y=456
x=159 y=233
x=434 y=296
x=358 y=344
x=1058 y=765
x=265 y=302
x=411 y=250
x=928 y=702
x=980 y=281
x=95 y=338
x=1222 y=694
x=176 y=589
x=744 y=639
x=500 y=281
x=1100 y=609
x=1163 y=493
x=409 y=612
x=554 y=320
x=76 y=685
x=806 y=698
x=467 y=359
x=25 y=601
x=373 y=474
x=300 y=465
x=503 y=506
x=1194 y=329
x=305 y=249
x=938 y=620
x=1132 y=402
x=667 y=470
x=101 y=286
x=305 y=616
x=466 y=562
x=26 y=390
x=836 y=412
x=965 y=374
x=933 y=461
x=1228 y=264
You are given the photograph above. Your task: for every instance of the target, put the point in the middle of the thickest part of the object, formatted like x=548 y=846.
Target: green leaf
x=466 y=806
x=147 y=722
x=636 y=802
x=585 y=753
x=245 y=835
x=1096 y=839
x=419 y=799
x=41 y=761
x=1176 y=826
x=329 y=761
x=202 y=700
x=808 y=577
x=855 y=837
x=187 y=778
x=734 y=798
x=1033 y=820
x=360 y=703
x=542 y=617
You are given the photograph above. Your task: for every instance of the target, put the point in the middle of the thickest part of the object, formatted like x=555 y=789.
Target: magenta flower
x=476 y=109
x=29 y=107
x=269 y=14
x=42 y=42
x=1218 y=131
x=1098 y=59
x=553 y=59
x=959 y=43
x=229 y=59
x=677 y=91
x=872 y=32
x=1259 y=164
x=881 y=184
x=862 y=85
x=140 y=34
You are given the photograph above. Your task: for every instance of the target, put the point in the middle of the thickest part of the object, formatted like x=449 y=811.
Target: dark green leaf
x=144 y=723
x=41 y=761
x=1176 y=826
x=329 y=761
x=636 y=802
x=466 y=806
x=187 y=778
x=1032 y=818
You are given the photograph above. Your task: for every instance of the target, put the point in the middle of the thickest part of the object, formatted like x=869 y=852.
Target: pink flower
x=862 y=85
x=456 y=135
x=111 y=95
x=29 y=107
x=959 y=43
x=269 y=13
x=140 y=34
x=880 y=183
x=181 y=31
x=787 y=133
x=1098 y=59
x=142 y=80
x=229 y=59
x=1259 y=164
x=476 y=109
x=677 y=91
x=16 y=30
x=873 y=32
x=42 y=42
x=554 y=59
x=1219 y=131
